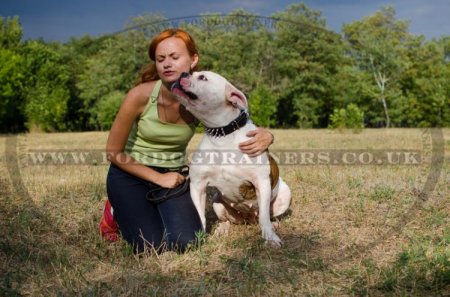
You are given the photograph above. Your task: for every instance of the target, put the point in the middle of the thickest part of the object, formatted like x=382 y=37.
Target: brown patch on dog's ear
x=235 y=97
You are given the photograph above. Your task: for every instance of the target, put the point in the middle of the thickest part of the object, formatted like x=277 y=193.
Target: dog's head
x=209 y=97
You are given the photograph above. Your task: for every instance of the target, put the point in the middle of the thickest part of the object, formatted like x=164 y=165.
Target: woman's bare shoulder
x=139 y=94
x=142 y=90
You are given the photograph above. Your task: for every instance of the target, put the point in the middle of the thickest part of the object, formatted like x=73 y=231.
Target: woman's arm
x=259 y=142
x=133 y=105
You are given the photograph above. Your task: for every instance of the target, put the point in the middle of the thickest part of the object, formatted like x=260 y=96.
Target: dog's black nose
x=184 y=74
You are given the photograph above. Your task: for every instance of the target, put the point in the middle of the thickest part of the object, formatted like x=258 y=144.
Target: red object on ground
x=108 y=226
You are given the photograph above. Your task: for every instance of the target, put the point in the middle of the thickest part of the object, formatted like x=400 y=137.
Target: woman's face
x=172 y=58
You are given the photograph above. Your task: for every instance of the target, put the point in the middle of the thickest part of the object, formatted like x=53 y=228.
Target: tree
x=108 y=106
x=238 y=46
x=114 y=67
x=10 y=33
x=377 y=43
x=307 y=59
x=75 y=54
x=47 y=91
x=426 y=86
x=12 y=76
x=11 y=84
x=295 y=72
x=263 y=106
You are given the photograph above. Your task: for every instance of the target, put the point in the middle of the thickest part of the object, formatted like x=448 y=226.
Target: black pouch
x=160 y=194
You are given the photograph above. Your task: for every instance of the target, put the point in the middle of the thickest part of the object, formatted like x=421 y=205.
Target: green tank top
x=155 y=143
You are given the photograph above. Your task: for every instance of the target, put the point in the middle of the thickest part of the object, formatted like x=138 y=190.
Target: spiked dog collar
x=237 y=123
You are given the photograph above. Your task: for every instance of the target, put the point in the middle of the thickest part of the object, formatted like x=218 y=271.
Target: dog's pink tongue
x=179 y=92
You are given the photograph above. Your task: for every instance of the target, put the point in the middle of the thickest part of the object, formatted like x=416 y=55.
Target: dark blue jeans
x=171 y=224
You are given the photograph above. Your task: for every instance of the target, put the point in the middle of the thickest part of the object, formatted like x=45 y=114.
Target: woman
x=146 y=147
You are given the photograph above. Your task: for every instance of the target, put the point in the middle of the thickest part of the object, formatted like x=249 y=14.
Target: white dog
x=250 y=187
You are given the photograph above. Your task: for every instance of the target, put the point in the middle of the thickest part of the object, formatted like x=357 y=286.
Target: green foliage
x=75 y=54
x=378 y=44
x=263 y=106
x=297 y=73
x=113 y=68
x=350 y=117
x=12 y=76
x=10 y=33
x=426 y=86
x=307 y=58
x=11 y=82
x=107 y=108
x=47 y=92
x=382 y=193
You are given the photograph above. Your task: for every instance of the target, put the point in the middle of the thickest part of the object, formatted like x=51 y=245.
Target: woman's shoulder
x=143 y=89
x=140 y=93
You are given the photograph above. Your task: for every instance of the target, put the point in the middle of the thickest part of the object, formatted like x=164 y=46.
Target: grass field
x=353 y=230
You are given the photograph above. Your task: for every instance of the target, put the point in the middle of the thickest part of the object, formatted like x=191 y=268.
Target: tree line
x=295 y=72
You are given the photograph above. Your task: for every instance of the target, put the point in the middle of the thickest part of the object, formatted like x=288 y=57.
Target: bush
x=107 y=109
x=350 y=117
x=263 y=106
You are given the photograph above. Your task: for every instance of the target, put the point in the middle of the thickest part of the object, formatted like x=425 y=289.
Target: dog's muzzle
x=178 y=87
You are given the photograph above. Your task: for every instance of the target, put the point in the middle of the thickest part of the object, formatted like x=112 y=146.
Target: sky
x=58 y=20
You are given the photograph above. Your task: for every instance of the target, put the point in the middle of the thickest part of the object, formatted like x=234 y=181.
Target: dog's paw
x=222 y=229
x=274 y=244
x=273 y=241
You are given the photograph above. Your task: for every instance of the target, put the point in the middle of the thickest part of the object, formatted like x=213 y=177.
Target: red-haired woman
x=146 y=147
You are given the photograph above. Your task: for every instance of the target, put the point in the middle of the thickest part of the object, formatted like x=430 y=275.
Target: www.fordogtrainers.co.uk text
x=282 y=157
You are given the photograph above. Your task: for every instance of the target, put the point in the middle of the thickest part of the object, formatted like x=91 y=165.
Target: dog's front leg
x=198 y=195
x=264 y=195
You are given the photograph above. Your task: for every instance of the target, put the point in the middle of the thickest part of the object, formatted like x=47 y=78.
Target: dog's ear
x=235 y=97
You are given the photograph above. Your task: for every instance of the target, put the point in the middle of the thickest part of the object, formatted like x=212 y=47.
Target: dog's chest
x=219 y=162
x=235 y=186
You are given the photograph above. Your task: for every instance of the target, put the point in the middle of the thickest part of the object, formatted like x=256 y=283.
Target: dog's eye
x=202 y=77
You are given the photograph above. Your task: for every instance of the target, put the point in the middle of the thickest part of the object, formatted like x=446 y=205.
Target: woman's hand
x=170 y=180
x=259 y=142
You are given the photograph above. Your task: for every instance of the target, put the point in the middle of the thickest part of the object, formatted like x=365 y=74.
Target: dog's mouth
x=178 y=89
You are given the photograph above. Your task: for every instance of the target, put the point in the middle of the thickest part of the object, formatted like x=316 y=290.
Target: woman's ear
x=194 y=61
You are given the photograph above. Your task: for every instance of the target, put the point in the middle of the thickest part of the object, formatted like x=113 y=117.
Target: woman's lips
x=168 y=73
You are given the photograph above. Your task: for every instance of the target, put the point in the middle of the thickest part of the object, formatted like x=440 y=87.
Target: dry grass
x=347 y=228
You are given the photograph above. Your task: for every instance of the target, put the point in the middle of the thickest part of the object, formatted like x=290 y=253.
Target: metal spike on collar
x=236 y=124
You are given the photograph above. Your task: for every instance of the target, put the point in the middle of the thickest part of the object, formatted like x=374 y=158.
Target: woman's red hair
x=149 y=72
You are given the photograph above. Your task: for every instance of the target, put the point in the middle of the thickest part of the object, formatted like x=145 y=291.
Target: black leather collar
x=237 y=123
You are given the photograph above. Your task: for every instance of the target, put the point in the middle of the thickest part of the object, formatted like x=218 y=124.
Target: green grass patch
x=423 y=266
x=382 y=193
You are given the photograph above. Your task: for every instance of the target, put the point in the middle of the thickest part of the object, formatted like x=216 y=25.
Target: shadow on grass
x=27 y=243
